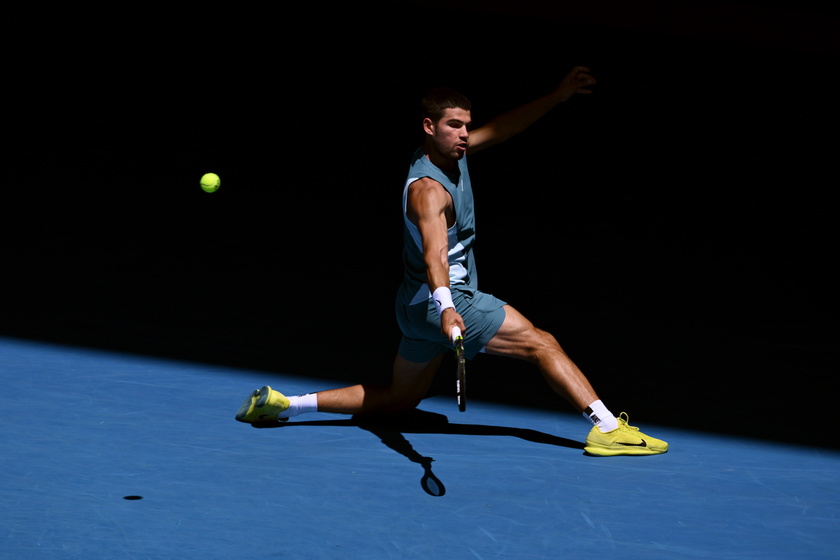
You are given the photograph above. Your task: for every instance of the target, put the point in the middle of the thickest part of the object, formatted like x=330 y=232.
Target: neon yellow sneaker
x=624 y=440
x=263 y=405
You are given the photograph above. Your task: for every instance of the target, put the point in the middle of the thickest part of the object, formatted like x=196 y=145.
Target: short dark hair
x=439 y=99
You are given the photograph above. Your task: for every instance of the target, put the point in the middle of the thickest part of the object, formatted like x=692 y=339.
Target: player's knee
x=402 y=399
x=542 y=345
x=404 y=403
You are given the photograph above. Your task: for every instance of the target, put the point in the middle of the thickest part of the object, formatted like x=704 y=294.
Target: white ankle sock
x=301 y=404
x=598 y=414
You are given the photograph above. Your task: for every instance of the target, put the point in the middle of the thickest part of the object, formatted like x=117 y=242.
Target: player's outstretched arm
x=427 y=207
x=516 y=120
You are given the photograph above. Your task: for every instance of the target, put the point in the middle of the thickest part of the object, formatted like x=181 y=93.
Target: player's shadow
x=391 y=427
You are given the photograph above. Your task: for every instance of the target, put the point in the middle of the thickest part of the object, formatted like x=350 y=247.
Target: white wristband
x=443 y=299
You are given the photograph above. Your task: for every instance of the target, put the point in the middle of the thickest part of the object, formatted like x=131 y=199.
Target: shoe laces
x=624 y=422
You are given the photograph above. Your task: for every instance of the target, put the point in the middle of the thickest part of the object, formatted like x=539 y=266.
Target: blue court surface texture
x=111 y=455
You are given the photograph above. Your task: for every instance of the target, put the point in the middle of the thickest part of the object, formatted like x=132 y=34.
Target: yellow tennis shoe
x=624 y=440
x=263 y=405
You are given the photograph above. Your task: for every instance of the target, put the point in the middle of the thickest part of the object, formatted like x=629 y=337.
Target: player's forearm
x=437 y=269
x=516 y=120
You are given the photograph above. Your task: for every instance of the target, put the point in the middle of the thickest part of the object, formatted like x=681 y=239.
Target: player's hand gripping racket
x=461 y=381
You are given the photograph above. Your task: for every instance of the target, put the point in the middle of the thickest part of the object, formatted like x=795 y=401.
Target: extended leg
x=409 y=383
x=519 y=338
x=610 y=435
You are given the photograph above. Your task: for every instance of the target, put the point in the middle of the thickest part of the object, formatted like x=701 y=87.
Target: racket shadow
x=391 y=427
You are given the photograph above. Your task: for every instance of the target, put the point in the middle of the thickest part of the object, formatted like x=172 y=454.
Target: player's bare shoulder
x=427 y=197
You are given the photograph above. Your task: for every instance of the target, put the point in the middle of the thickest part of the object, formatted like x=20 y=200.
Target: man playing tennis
x=439 y=290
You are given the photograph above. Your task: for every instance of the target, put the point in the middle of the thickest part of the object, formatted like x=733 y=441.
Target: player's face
x=451 y=133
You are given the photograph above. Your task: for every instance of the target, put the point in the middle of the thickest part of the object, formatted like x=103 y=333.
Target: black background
x=676 y=230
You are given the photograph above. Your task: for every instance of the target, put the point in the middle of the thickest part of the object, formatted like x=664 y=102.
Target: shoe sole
x=616 y=451
x=249 y=403
x=264 y=394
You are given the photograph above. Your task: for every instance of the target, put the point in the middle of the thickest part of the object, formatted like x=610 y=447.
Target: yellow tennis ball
x=210 y=182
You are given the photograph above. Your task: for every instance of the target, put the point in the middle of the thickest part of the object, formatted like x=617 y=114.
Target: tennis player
x=439 y=290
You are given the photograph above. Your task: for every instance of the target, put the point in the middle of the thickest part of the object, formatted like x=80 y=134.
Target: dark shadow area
x=676 y=230
x=391 y=430
x=419 y=421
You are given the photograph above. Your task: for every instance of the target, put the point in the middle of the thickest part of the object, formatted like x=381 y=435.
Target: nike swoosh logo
x=643 y=444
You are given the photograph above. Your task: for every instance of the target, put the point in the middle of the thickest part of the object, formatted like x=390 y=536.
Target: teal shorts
x=422 y=340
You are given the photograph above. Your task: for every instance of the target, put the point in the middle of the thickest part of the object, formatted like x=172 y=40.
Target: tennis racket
x=461 y=380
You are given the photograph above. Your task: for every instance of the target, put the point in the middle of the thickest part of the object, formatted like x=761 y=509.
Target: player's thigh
x=411 y=380
x=517 y=337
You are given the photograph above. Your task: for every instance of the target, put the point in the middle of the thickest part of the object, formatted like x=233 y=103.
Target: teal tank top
x=462 y=274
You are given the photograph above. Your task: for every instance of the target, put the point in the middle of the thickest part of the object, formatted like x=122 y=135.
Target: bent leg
x=409 y=383
x=519 y=338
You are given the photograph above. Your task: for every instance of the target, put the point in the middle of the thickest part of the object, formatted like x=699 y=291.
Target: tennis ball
x=210 y=182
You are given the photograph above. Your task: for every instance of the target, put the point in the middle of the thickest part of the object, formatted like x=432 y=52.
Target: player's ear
x=428 y=126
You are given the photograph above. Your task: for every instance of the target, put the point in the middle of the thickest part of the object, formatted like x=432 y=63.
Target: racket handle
x=455 y=333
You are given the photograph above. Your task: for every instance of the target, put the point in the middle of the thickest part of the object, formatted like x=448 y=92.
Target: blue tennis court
x=113 y=455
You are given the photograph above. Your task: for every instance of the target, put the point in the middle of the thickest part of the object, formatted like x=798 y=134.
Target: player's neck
x=442 y=162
